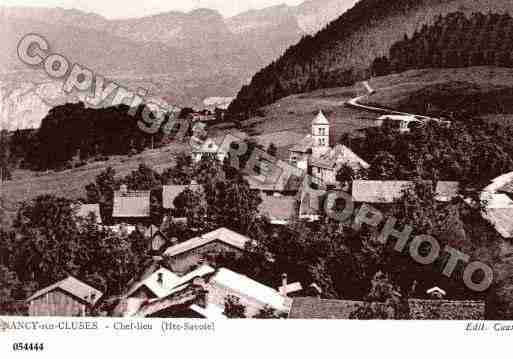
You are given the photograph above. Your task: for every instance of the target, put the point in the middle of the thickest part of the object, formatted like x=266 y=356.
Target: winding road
x=354 y=102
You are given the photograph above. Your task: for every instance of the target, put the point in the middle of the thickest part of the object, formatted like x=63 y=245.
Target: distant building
x=279 y=210
x=391 y=191
x=283 y=185
x=183 y=256
x=327 y=165
x=401 y=123
x=69 y=297
x=131 y=206
x=208 y=149
x=85 y=210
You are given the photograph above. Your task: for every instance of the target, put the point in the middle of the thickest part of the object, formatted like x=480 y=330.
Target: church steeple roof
x=320 y=119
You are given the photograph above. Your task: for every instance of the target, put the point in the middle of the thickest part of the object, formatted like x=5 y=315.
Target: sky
x=138 y=8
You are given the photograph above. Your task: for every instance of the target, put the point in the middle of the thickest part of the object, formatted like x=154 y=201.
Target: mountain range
x=180 y=57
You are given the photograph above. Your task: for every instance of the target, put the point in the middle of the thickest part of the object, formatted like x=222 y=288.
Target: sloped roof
x=250 y=288
x=170 y=192
x=507 y=188
x=320 y=119
x=311 y=202
x=338 y=156
x=170 y=280
x=74 y=287
x=314 y=308
x=208 y=146
x=423 y=309
x=419 y=309
x=278 y=181
x=391 y=191
x=501 y=219
x=224 y=235
x=131 y=204
x=304 y=145
x=278 y=208
x=499 y=205
x=84 y=210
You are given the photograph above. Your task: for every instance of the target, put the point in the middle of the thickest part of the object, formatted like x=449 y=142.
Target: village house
x=205 y=294
x=69 y=297
x=86 y=210
x=327 y=165
x=186 y=255
x=143 y=297
x=498 y=200
x=279 y=210
x=131 y=207
x=387 y=192
x=208 y=149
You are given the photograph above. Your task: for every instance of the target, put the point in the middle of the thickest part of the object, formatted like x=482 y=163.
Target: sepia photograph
x=339 y=165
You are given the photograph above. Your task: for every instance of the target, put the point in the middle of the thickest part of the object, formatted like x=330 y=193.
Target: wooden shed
x=69 y=298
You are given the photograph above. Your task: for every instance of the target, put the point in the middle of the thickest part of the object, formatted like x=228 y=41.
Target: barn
x=69 y=297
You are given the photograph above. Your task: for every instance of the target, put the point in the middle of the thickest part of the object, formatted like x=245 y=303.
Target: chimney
x=123 y=189
x=284 y=280
x=160 y=279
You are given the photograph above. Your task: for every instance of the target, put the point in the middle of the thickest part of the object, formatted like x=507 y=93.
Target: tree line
x=454 y=40
x=72 y=134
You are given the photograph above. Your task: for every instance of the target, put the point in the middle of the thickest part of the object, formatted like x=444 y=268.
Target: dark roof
x=280 y=183
x=170 y=192
x=446 y=309
x=304 y=145
x=224 y=235
x=314 y=308
x=420 y=309
x=278 y=208
x=338 y=156
x=131 y=204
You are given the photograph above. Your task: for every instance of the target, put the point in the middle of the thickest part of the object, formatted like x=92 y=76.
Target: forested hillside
x=455 y=40
x=71 y=134
x=344 y=51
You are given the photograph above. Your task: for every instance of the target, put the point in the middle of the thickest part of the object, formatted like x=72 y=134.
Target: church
x=314 y=155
